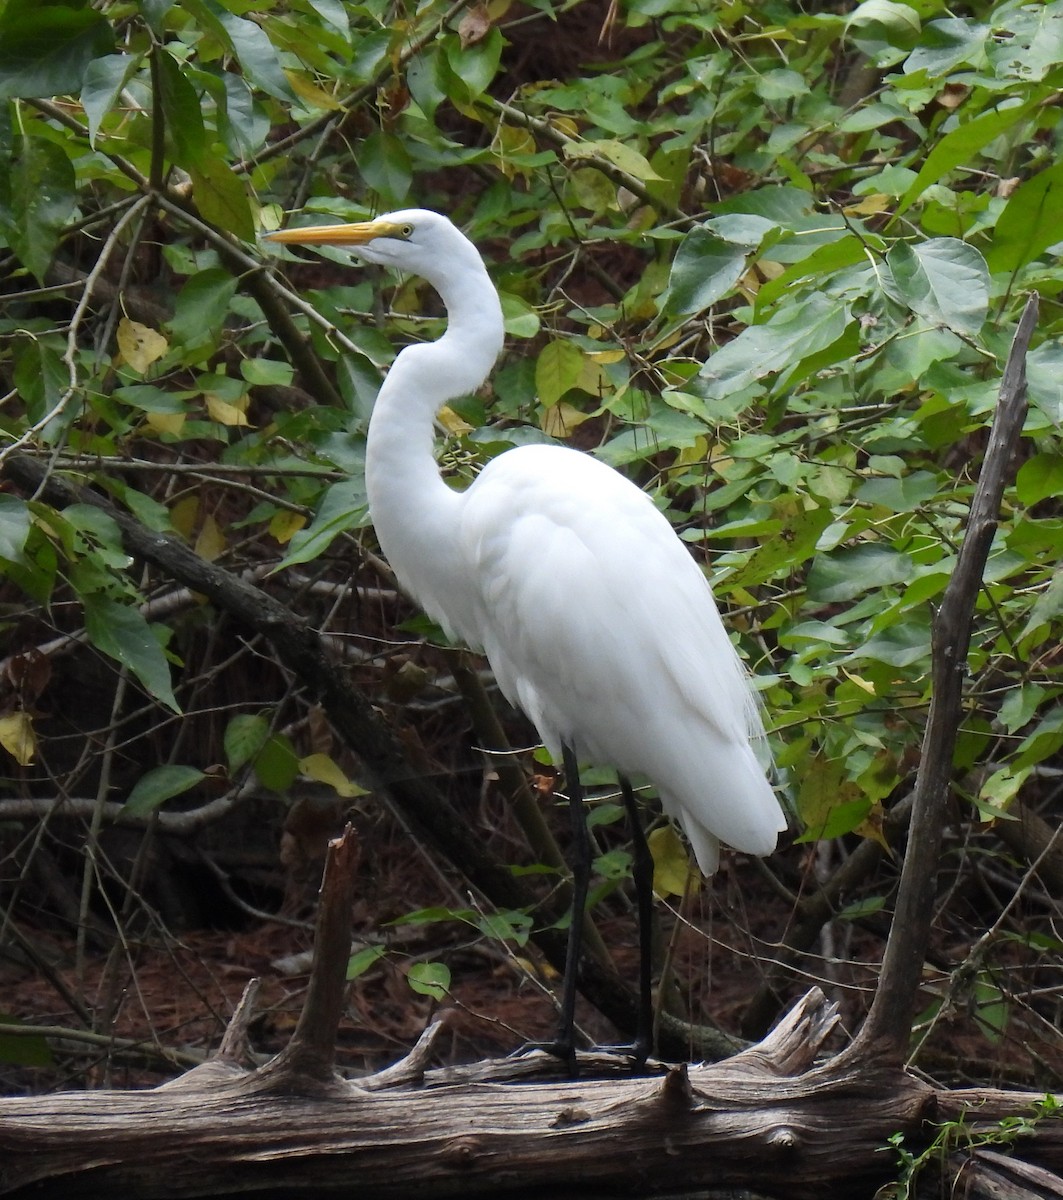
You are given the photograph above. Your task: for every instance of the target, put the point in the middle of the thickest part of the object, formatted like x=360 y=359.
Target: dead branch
x=769 y=1118
x=888 y=1025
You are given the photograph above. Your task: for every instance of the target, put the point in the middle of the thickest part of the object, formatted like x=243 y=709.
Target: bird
x=597 y=622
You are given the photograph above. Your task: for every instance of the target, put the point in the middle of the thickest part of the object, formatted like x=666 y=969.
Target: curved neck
x=411 y=507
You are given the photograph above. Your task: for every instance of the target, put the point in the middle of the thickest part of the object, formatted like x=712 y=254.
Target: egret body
x=595 y=619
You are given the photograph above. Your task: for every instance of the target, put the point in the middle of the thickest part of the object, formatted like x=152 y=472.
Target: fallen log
x=775 y=1117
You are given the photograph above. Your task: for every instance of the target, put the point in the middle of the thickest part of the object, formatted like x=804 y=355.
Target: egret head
x=412 y=239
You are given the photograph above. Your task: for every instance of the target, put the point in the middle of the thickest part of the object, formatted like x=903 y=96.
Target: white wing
x=602 y=628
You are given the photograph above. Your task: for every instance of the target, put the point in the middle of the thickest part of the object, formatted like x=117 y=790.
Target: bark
x=772 y=1118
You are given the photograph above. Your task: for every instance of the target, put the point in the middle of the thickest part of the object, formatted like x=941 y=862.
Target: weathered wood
x=695 y=1127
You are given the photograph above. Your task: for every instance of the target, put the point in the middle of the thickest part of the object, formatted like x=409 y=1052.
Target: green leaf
x=19 y=1050
x=423 y=77
x=41 y=377
x=221 y=196
x=946 y=44
x=825 y=260
x=179 y=102
x=365 y=958
x=1029 y=223
x=343 y=507
x=14 y=527
x=705 y=269
x=1047 y=607
x=849 y=570
x=121 y=631
x=900 y=646
x=244 y=737
x=158 y=785
x=384 y=163
x=905 y=494
x=519 y=318
x=1040 y=477
x=557 y=369
x=154 y=11
x=429 y=979
x=256 y=53
x=790 y=335
x=510 y=925
x=266 y=372
x=277 y=764
x=828 y=804
x=45 y=49
x=944 y=280
x=104 y=79
x=962 y=145
x=476 y=65
x=202 y=306
x=788 y=549
x=37 y=197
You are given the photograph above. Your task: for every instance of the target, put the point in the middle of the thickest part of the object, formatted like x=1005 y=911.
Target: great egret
x=596 y=621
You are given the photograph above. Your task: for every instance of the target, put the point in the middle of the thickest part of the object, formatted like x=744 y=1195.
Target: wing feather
x=603 y=630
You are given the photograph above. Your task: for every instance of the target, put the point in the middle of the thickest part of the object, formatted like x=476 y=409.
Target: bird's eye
x=406 y=231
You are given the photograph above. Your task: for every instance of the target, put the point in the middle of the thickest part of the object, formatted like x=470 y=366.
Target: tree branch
x=886 y=1031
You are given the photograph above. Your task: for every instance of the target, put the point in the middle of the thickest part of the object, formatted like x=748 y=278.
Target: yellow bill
x=356 y=234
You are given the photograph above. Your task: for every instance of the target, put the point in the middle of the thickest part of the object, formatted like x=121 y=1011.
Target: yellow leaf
x=865 y=685
x=558 y=368
x=451 y=422
x=672 y=873
x=566 y=125
x=593 y=378
x=210 y=544
x=509 y=141
x=140 y=345
x=284 y=525
x=159 y=422
x=559 y=420
x=322 y=769
x=869 y=206
x=872 y=827
x=16 y=737
x=183 y=516
x=627 y=158
x=225 y=413
x=694 y=454
x=310 y=92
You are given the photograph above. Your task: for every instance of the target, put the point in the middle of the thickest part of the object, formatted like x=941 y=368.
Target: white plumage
x=597 y=622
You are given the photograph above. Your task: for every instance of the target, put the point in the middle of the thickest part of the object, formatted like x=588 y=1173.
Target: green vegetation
x=766 y=261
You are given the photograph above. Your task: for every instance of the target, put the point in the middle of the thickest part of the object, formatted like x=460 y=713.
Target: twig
x=885 y=1032
x=311 y=1053
x=70 y=354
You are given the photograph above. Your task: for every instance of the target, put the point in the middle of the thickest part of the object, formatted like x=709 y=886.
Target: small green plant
x=954 y=1136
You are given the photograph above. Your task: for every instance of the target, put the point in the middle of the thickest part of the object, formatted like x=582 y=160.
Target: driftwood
x=770 y=1118
x=775 y=1117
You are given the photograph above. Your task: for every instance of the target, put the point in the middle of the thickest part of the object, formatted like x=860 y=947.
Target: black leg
x=581 y=877
x=642 y=874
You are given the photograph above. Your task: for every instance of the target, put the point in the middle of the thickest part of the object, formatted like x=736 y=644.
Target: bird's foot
x=559 y=1048
x=638 y=1051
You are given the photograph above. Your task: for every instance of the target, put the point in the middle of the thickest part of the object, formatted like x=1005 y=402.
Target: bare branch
x=886 y=1031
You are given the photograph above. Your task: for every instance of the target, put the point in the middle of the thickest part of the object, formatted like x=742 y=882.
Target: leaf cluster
x=766 y=260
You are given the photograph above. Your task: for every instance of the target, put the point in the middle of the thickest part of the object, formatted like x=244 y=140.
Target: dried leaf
x=474 y=26
x=140 y=345
x=225 y=413
x=17 y=738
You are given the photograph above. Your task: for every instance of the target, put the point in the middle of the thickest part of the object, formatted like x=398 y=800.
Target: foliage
x=954 y=1137
x=767 y=261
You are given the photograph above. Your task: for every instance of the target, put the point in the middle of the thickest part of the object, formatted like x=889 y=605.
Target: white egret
x=595 y=619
